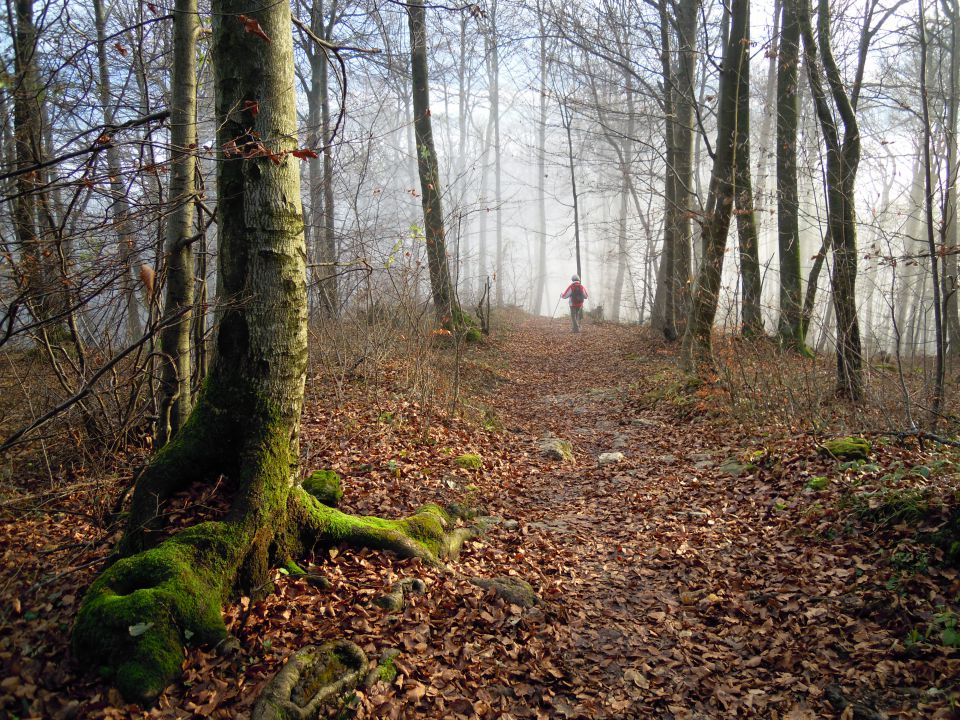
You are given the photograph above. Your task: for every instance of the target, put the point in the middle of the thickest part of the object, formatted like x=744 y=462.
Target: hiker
x=577 y=294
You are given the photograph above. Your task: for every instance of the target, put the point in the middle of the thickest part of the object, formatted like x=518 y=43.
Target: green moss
x=818 y=482
x=847 y=448
x=136 y=618
x=387 y=670
x=294 y=570
x=469 y=461
x=322 y=668
x=325 y=486
x=473 y=335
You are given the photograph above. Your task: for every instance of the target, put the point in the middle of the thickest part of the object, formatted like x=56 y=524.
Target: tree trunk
x=949 y=226
x=746 y=218
x=175 y=373
x=428 y=166
x=566 y=114
x=696 y=340
x=33 y=272
x=541 y=277
x=321 y=169
x=246 y=423
x=687 y=12
x=120 y=208
x=843 y=157
x=788 y=204
x=493 y=50
x=665 y=304
x=936 y=404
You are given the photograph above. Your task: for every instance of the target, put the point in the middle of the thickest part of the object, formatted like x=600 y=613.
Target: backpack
x=577 y=296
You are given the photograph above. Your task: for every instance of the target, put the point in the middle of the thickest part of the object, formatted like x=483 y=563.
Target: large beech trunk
x=136 y=618
x=246 y=422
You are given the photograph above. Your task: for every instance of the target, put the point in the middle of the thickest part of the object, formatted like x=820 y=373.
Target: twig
x=88 y=387
x=96 y=146
x=920 y=436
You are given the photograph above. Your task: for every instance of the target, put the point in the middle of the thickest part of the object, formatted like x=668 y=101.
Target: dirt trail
x=669 y=588
x=678 y=591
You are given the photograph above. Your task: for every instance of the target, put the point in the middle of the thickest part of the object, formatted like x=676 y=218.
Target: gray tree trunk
x=120 y=208
x=176 y=399
x=697 y=346
x=788 y=204
x=428 y=166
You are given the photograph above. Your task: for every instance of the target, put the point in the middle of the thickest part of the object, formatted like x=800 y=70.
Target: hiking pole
x=554 y=313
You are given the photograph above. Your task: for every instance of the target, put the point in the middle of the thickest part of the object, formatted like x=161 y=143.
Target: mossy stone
x=847 y=448
x=736 y=469
x=556 y=449
x=469 y=461
x=325 y=486
x=818 y=482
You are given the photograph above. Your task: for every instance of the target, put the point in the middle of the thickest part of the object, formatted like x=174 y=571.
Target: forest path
x=675 y=590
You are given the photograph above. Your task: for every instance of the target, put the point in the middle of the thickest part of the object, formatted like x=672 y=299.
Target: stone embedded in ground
x=386 y=669
x=554 y=448
x=610 y=458
x=510 y=525
x=514 y=590
x=619 y=442
x=736 y=469
x=312 y=677
x=704 y=464
x=393 y=601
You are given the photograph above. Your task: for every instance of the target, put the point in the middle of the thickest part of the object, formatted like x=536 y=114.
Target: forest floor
x=719 y=569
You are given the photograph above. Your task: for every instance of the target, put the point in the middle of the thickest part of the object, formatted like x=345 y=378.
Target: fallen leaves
x=669 y=589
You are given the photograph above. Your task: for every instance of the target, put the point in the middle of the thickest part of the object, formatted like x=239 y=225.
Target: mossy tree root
x=135 y=619
x=428 y=534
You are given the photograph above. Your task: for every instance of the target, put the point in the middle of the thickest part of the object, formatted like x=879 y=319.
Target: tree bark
x=687 y=12
x=843 y=157
x=321 y=169
x=949 y=226
x=697 y=350
x=541 y=281
x=247 y=420
x=440 y=284
x=175 y=374
x=790 y=327
x=665 y=304
x=746 y=217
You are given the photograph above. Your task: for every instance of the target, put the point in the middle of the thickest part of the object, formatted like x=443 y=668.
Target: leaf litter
x=668 y=588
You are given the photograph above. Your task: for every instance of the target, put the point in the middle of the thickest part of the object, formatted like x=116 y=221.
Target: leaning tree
x=166 y=590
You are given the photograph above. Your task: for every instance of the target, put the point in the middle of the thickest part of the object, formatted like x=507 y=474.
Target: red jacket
x=569 y=291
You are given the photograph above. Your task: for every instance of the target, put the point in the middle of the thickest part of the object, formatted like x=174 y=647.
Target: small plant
x=818 y=482
x=893 y=505
x=910 y=562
